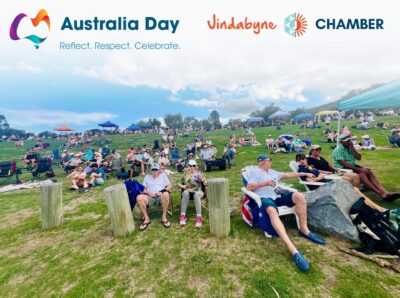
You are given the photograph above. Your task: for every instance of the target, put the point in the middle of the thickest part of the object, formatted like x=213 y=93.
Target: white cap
x=192 y=162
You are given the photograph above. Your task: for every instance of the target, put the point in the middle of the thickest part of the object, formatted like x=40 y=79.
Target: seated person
x=137 y=168
x=229 y=153
x=301 y=160
x=318 y=162
x=394 y=138
x=269 y=142
x=115 y=160
x=73 y=163
x=281 y=146
x=241 y=141
x=254 y=141
x=262 y=181
x=345 y=156
x=331 y=137
x=163 y=160
x=363 y=125
x=356 y=145
x=345 y=130
x=105 y=151
x=175 y=153
x=190 y=184
x=98 y=176
x=367 y=143
x=88 y=155
x=207 y=153
x=157 y=190
x=78 y=178
x=98 y=158
x=298 y=144
x=30 y=158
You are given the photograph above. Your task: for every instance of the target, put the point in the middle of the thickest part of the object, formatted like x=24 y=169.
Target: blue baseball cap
x=263 y=157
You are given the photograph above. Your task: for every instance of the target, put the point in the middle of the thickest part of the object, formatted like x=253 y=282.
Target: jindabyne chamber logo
x=41 y=16
x=295 y=24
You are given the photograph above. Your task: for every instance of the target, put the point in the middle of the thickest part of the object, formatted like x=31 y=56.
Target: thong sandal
x=166 y=224
x=144 y=226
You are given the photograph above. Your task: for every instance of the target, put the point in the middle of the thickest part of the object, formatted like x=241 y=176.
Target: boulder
x=328 y=209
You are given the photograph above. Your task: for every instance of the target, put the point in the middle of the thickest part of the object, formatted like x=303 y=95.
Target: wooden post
x=119 y=210
x=51 y=205
x=218 y=198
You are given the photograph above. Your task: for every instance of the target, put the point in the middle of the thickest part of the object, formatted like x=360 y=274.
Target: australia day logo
x=295 y=24
x=42 y=16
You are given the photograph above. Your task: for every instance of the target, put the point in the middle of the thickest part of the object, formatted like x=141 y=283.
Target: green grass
x=82 y=258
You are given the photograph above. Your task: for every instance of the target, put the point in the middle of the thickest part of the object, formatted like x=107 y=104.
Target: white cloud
x=24 y=67
x=29 y=118
x=5 y=68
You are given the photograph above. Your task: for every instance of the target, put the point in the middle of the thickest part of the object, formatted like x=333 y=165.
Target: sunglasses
x=154 y=169
x=303 y=158
x=192 y=166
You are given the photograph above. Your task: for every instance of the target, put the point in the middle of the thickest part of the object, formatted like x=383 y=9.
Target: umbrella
x=133 y=127
x=108 y=124
x=63 y=128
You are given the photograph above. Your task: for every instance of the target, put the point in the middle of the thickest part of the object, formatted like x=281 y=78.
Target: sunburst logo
x=295 y=24
x=41 y=16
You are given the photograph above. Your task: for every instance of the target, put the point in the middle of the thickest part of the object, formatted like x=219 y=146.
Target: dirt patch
x=17 y=280
x=201 y=285
x=75 y=203
x=90 y=215
x=13 y=219
x=67 y=286
x=33 y=245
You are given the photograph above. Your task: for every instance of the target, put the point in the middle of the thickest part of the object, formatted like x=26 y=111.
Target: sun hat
x=192 y=162
x=345 y=138
x=263 y=157
x=315 y=147
x=155 y=166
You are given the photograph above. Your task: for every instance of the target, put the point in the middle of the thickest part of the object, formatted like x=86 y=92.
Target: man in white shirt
x=262 y=181
x=157 y=190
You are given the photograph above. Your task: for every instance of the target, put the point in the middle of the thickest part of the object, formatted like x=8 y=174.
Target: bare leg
x=368 y=201
x=301 y=211
x=165 y=205
x=365 y=179
x=378 y=184
x=280 y=229
x=142 y=202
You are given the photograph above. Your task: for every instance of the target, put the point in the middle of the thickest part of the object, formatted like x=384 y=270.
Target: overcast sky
x=234 y=72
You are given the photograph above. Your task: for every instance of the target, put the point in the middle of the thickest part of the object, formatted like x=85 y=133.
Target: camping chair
x=44 y=165
x=207 y=164
x=295 y=168
x=57 y=156
x=9 y=169
x=253 y=214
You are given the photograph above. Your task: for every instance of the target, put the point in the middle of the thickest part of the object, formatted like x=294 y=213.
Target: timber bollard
x=119 y=210
x=51 y=205
x=218 y=199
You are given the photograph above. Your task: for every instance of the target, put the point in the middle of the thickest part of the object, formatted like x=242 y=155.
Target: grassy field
x=82 y=258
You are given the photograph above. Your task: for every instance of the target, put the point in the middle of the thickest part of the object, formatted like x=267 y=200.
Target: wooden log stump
x=218 y=198
x=119 y=210
x=51 y=205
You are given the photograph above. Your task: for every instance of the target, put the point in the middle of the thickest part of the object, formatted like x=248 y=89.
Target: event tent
x=133 y=128
x=325 y=113
x=63 y=128
x=387 y=96
x=255 y=121
x=108 y=124
x=279 y=114
x=303 y=116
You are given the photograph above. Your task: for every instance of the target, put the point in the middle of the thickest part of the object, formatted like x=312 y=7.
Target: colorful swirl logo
x=42 y=16
x=295 y=24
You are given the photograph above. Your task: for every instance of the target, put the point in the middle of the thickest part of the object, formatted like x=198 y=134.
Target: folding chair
x=256 y=200
x=8 y=169
x=44 y=165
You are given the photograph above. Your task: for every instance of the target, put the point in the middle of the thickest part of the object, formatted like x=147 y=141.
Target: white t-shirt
x=259 y=175
x=157 y=184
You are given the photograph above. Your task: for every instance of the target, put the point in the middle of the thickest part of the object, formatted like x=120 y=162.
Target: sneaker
x=199 y=222
x=74 y=187
x=301 y=262
x=182 y=220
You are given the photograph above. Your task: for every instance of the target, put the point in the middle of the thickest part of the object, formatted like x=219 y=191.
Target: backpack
x=378 y=231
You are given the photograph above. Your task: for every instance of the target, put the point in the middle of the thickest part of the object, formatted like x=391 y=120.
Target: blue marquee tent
x=108 y=124
x=133 y=128
x=303 y=116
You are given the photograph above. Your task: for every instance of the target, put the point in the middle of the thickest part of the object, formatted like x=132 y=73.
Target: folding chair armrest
x=312 y=183
x=252 y=195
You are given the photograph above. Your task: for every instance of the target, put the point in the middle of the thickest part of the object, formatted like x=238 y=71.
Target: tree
x=205 y=124
x=141 y=123
x=214 y=120
x=47 y=134
x=266 y=111
x=174 y=120
x=155 y=122
x=3 y=122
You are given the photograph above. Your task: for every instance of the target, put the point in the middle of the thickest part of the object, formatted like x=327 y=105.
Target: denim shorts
x=285 y=199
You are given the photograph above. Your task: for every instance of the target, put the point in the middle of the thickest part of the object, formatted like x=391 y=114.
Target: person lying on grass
x=345 y=156
x=157 y=191
x=262 y=181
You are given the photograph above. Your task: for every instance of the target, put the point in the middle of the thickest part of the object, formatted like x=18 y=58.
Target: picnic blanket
x=27 y=185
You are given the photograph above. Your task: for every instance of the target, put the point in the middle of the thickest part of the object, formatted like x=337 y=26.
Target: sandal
x=144 y=225
x=166 y=224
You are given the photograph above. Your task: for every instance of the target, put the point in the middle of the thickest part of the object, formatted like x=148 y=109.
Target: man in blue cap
x=262 y=181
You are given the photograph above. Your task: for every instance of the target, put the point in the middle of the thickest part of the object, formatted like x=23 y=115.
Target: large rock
x=329 y=206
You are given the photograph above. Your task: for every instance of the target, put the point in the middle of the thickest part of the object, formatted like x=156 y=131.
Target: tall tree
x=3 y=122
x=214 y=120
x=173 y=120
x=155 y=122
